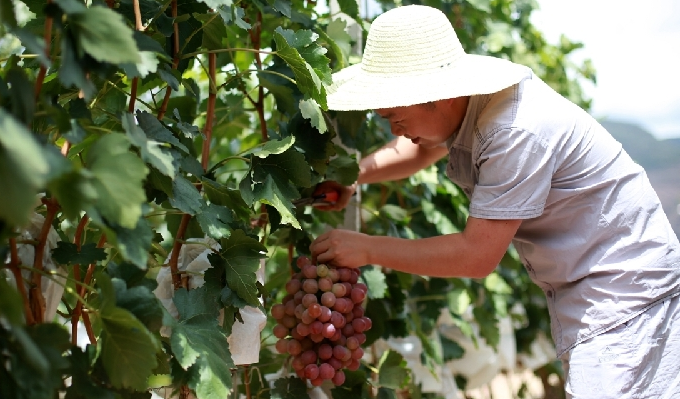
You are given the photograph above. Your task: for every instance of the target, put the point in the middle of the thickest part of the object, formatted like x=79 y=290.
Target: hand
x=344 y=194
x=341 y=248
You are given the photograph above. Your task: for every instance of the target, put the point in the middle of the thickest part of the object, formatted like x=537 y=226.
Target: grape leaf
x=343 y=169
x=451 y=349
x=287 y=166
x=185 y=197
x=392 y=370
x=488 y=325
x=23 y=170
x=274 y=193
x=151 y=150
x=224 y=196
x=67 y=253
x=197 y=339
x=155 y=130
x=271 y=147
x=374 y=279
x=213 y=220
x=240 y=256
x=289 y=388
x=141 y=302
x=82 y=385
x=128 y=348
x=311 y=110
x=316 y=147
x=134 y=244
x=103 y=34
x=119 y=189
x=298 y=50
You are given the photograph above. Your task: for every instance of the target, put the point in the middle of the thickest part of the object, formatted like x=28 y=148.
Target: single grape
x=352 y=343
x=357 y=311
x=341 y=353
x=296 y=334
x=316 y=382
x=354 y=365
x=316 y=327
x=369 y=322
x=326 y=371
x=293 y=286
x=309 y=271
x=361 y=337
x=294 y=347
x=325 y=352
x=334 y=275
x=328 y=299
x=306 y=318
x=344 y=273
x=353 y=276
x=335 y=363
x=348 y=330
x=303 y=329
x=282 y=345
x=303 y=261
x=297 y=363
x=310 y=286
x=299 y=309
x=328 y=330
x=325 y=314
x=325 y=284
x=280 y=331
x=278 y=311
x=308 y=357
x=308 y=300
x=298 y=297
x=359 y=325
x=357 y=353
x=289 y=321
x=321 y=270
x=316 y=337
x=361 y=286
x=312 y=371
x=339 y=378
x=314 y=310
x=337 y=319
x=339 y=290
x=358 y=295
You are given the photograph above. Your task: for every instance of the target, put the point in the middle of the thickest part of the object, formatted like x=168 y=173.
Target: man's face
x=428 y=125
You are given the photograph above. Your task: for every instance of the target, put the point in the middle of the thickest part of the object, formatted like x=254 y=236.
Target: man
x=541 y=174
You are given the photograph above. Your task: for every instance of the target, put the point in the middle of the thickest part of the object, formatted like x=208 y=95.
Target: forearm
x=397 y=160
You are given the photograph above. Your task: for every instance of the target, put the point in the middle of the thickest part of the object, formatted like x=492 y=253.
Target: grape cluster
x=321 y=322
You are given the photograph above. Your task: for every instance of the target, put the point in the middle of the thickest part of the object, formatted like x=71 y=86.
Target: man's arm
x=396 y=160
x=474 y=253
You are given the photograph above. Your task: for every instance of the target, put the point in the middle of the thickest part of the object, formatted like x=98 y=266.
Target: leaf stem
x=175 y=61
x=35 y=294
x=19 y=279
x=176 y=247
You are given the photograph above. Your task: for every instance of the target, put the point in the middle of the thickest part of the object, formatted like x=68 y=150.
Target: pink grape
x=325 y=352
x=294 y=347
x=325 y=314
x=310 y=286
x=326 y=371
x=354 y=365
x=353 y=277
x=358 y=295
x=357 y=353
x=352 y=343
x=303 y=261
x=339 y=378
x=325 y=284
x=280 y=331
x=361 y=286
x=303 y=329
x=334 y=275
x=316 y=382
x=316 y=327
x=335 y=363
x=308 y=300
x=293 y=286
x=344 y=273
x=328 y=330
x=309 y=271
x=297 y=363
x=312 y=371
x=278 y=311
x=328 y=299
x=359 y=325
x=337 y=319
x=297 y=298
x=339 y=290
x=282 y=345
x=308 y=357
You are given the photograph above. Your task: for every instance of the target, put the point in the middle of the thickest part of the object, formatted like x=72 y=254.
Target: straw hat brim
x=354 y=89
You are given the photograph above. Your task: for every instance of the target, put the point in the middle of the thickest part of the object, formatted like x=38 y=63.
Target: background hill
x=661 y=160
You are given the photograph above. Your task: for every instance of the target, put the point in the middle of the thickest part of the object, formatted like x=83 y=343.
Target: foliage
x=133 y=126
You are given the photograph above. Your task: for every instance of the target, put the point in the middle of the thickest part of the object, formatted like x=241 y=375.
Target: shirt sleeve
x=515 y=169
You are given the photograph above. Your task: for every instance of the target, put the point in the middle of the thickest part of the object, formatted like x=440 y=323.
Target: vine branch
x=36 y=297
x=19 y=279
x=175 y=61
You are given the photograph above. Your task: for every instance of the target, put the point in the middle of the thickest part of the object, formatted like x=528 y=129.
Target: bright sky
x=635 y=48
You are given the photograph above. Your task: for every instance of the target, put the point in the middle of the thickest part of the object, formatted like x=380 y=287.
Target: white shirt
x=594 y=236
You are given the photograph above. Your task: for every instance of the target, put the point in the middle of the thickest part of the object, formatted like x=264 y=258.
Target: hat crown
x=411 y=40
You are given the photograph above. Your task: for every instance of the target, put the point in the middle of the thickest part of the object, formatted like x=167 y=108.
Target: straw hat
x=413 y=56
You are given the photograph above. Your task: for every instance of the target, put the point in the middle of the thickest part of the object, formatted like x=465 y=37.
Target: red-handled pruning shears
x=321 y=199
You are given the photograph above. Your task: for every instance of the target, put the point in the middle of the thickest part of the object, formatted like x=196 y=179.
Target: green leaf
x=185 y=197
x=214 y=31
x=458 y=300
x=374 y=279
x=141 y=302
x=74 y=191
x=23 y=170
x=119 y=189
x=289 y=388
x=240 y=256
x=128 y=348
x=82 y=385
x=151 y=151
x=134 y=244
x=392 y=370
x=271 y=147
x=495 y=283
x=488 y=325
x=222 y=195
x=197 y=339
x=214 y=221
x=103 y=34
x=155 y=130
x=350 y=7
x=317 y=147
x=287 y=166
x=71 y=72
x=343 y=169
x=307 y=61
x=67 y=253
x=451 y=350
x=311 y=110
x=340 y=41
